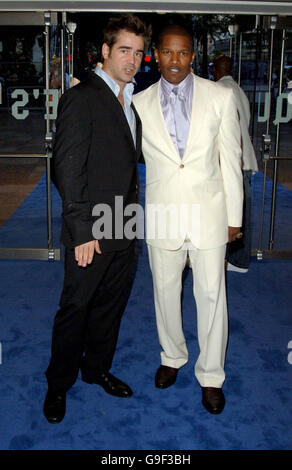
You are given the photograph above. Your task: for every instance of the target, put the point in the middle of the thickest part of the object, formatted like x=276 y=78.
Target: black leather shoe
x=213 y=399
x=165 y=376
x=55 y=406
x=113 y=385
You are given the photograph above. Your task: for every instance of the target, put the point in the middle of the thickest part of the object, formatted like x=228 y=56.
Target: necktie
x=181 y=121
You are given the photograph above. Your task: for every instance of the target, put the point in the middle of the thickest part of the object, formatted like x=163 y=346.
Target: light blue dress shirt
x=127 y=95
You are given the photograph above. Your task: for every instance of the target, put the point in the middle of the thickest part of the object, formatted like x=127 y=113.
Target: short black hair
x=173 y=25
x=223 y=64
x=127 y=22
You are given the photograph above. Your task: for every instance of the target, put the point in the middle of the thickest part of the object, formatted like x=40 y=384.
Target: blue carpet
x=283 y=215
x=259 y=376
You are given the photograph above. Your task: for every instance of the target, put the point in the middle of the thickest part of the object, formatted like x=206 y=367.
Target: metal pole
x=235 y=47
x=239 y=59
x=70 y=28
x=71 y=37
x=70 y=56
x=258 y=49
x=270 y=80
x=266 y=151
x=72 y=64
x=47 y=74
x=259 y=254
x=48 y=136
x=64 y=16
x=275 y=174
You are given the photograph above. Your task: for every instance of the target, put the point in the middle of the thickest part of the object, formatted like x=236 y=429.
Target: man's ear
x=193 y=56
x=156 y=55
x=105 y=50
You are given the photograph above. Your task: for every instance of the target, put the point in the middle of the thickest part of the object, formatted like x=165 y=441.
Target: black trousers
x=86 y=326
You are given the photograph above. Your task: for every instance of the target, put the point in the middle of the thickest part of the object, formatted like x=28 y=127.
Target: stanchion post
x=48 y=138
x=267 y=143
x=275 y=172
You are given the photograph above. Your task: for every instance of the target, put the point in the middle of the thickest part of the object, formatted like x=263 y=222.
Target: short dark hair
x=128 y=22
x=175 y=27
x=223 y=64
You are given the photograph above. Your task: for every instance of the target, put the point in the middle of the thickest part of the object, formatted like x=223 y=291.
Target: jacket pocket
x=215 y=186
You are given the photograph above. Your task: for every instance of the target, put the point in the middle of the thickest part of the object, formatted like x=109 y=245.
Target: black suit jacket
x=94 y=160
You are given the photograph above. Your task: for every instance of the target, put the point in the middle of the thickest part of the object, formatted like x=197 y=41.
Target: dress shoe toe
x=213 y=399
x=165 y=376
x=114 y=386
x=55 y=407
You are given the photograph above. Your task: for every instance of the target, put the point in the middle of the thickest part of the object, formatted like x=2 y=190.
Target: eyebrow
x=170 y=48
x=130 y=48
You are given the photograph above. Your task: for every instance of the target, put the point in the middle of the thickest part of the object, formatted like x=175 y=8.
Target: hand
x=234 y=233
x=84 y=253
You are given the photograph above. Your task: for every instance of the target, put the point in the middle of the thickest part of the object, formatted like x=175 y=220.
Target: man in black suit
x=97 y=146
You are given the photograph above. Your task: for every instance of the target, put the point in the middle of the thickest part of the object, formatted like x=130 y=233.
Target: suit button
x=181 y=165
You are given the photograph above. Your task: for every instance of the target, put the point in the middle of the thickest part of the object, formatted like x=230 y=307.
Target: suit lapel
x=138 y=133
x=109 y=98
x=200 y=99
x=156 y=113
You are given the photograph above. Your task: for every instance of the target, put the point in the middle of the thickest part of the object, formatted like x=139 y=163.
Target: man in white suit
x=238 y=253
x=191 y=146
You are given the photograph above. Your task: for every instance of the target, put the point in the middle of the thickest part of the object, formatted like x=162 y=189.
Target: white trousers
x=210 y=296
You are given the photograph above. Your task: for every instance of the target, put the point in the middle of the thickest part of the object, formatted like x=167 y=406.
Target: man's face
x=175 y=54
x=123 y=60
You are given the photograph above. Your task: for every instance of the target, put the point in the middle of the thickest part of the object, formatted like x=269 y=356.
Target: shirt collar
x=183 y=87
x=225 y=77
x=128 y=89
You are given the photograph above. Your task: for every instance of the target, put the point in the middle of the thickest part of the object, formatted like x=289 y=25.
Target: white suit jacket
x=249 y=161
x=206 y=184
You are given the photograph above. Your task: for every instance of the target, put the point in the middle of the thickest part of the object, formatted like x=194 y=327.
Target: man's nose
x=174 y=58
x=132 y=57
